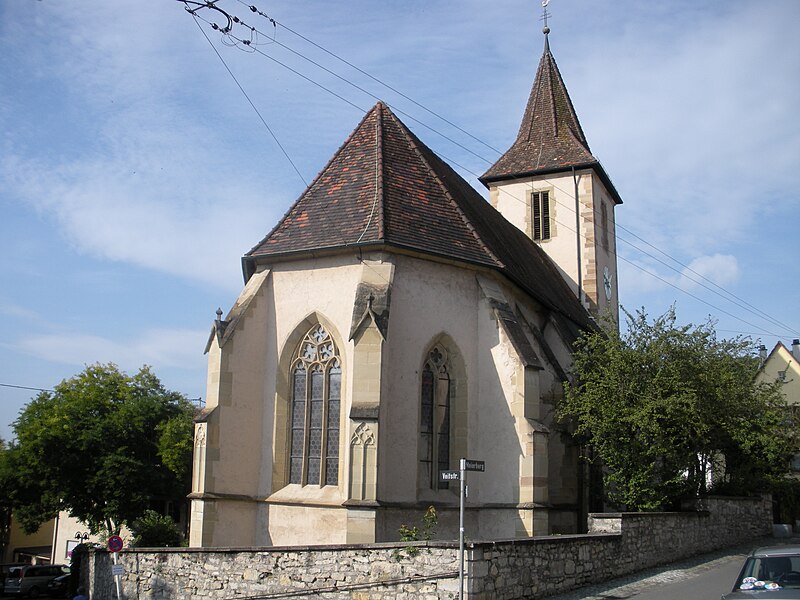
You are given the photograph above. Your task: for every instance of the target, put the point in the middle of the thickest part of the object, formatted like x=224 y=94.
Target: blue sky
x=134 y=173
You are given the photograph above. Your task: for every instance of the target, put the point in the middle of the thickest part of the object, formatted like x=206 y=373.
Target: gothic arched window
x=435 y=418
x=316 y=378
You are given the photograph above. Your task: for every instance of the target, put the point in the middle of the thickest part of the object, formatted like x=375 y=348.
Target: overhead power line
x=249 y=45
x=244 y=93
x=24 y=387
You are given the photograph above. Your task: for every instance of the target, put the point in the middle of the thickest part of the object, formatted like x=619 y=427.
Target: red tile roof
x=384 y=186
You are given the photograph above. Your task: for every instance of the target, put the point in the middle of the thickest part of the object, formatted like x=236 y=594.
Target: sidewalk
x=628 y=586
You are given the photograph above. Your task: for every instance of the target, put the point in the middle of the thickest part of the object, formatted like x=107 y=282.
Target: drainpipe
x=578 y=235
x=55 y=541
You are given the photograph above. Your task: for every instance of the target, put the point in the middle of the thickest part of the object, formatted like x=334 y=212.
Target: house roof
x=550 y=138
x=385 y=187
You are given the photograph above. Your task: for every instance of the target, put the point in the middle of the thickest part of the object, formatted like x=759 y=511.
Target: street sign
x=448 y=475
x=114 y=543
x=474 y=465
x=117 y=570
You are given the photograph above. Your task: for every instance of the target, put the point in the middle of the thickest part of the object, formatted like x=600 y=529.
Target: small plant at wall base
x=415 y=534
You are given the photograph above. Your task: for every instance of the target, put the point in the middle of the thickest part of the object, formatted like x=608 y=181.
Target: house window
x=540 y=202
x=435 y=418
x=316 y=378
x=604 y=225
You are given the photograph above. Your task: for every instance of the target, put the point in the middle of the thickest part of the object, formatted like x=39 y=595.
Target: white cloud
x=694 y=122
x=641 y=274
x=717 y=269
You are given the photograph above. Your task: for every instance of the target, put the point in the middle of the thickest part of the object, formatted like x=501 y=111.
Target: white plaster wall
x=294 y=525
x=234 y=460
x=325 y=287
x=498 y=440
x=240 y=461
x=428 y=300
x=513 y=201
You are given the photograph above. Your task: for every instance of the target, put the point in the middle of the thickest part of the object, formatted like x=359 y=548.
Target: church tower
x=551 y=187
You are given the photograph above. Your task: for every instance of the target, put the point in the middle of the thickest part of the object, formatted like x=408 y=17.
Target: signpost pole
x=116 y=577
x=114 y=546
x=463 y=478
x=464 y=466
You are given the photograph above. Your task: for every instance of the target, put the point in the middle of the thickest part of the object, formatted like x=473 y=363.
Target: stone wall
x=395 y=572
x=618 y=544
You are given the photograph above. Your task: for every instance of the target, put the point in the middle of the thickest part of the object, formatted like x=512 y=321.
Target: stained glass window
x=435 y=418
x=316 y=402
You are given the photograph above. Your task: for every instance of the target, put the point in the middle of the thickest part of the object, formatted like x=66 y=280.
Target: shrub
x=153 y=530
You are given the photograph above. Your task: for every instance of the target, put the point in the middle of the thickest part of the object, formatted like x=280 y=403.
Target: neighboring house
x=51 y=544
x=393 y=322
x=783 y=365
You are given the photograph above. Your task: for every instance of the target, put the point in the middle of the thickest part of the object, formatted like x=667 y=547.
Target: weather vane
x=545 y=16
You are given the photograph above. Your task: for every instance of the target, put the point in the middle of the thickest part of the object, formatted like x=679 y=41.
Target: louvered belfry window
x=315 y=408
x=540 y=202
x=435 y=417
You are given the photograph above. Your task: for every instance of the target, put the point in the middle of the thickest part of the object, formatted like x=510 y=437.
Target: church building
x=395 y=321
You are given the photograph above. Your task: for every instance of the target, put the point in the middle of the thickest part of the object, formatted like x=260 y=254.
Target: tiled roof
x=550 y=137
x=384 y=186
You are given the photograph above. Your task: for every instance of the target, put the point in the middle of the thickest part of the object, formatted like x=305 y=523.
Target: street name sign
x=449 y=475
x=474 y=465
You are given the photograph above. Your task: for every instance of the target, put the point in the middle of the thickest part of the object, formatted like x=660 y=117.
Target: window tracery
x=435 y=417
x=316 y=376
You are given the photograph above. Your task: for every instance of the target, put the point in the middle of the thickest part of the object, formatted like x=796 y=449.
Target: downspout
x=55 y=541
x=578 y=235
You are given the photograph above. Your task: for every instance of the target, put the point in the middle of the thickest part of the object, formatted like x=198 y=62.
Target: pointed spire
x=550 y=137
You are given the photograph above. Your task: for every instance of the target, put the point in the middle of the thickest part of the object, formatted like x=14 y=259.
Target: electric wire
x=252 y=48
x=367 y=74
x=635 y=265
x=25 y=387
x=743 y=304
x=244 y=93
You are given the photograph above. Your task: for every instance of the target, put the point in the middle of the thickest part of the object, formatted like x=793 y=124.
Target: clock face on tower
x=607 y=282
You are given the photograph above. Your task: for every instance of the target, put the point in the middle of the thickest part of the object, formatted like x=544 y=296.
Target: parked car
x=770 y=572
x=32 y=580
x=4 y=573
x=57 y=588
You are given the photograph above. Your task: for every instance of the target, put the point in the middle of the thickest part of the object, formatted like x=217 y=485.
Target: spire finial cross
x=545 y=15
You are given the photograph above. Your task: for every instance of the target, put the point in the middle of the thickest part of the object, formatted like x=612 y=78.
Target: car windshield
x=770 y=572
x=15 y=573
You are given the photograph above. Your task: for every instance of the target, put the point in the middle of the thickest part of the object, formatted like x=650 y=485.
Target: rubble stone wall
x=618 y=544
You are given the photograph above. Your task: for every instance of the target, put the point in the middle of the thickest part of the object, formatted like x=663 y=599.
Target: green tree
x=104 y=446
x=5 y=499
x=660 y=405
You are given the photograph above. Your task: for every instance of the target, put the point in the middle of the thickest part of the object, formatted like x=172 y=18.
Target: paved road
x=704 y=577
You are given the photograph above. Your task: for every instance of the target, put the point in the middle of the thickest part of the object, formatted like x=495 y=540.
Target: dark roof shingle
x=385 y=186
x=550 y=137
